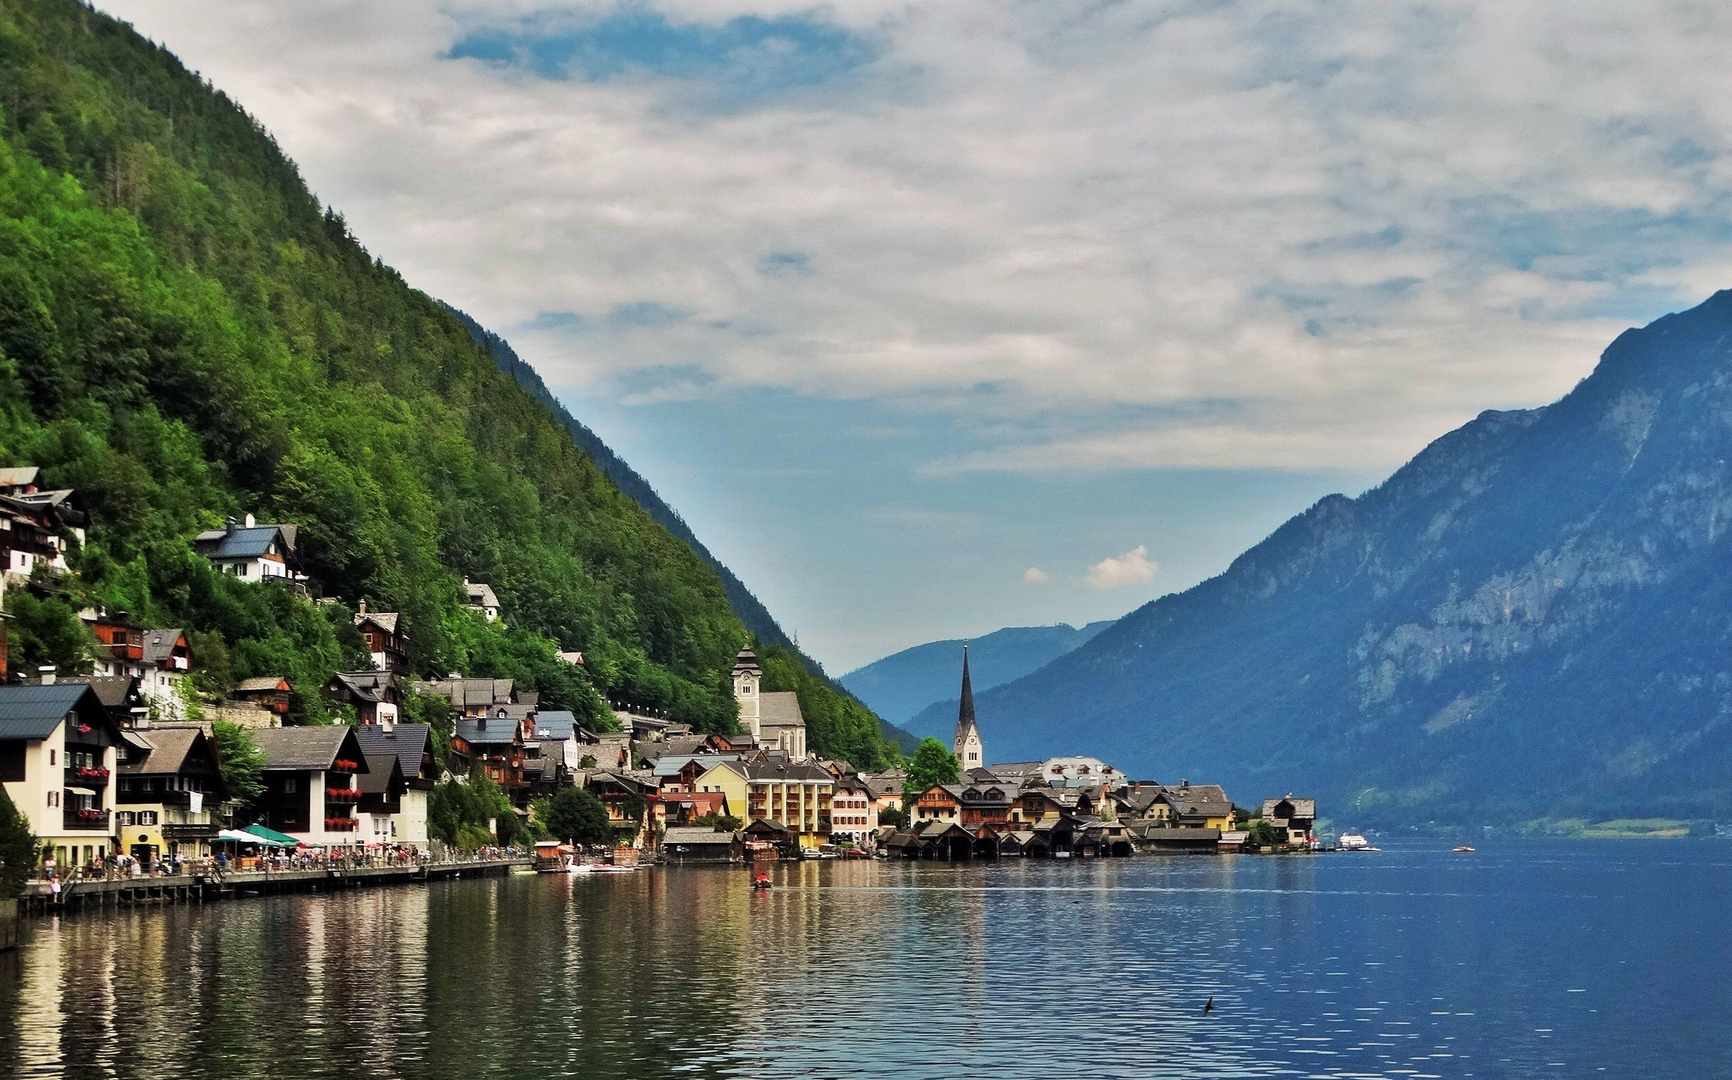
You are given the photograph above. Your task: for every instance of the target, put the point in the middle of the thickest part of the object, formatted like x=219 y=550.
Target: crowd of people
x=245 y=858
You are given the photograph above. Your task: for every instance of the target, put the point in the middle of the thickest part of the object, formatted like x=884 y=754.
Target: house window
x=289 y=785
x=51 y=758
x=123 y=818
x=147 y=817
x=53 y=799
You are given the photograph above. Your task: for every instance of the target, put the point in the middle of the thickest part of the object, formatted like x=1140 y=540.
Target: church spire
x=969 y=751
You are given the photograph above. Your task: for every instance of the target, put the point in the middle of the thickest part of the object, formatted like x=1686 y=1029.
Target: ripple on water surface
x=1558 y=960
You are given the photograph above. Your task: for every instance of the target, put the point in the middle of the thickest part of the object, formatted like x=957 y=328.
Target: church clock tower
x=748 y=682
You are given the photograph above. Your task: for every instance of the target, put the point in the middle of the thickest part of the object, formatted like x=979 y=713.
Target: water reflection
x=1523 y=963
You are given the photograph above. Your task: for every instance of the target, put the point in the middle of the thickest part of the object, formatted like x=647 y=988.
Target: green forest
x=186 y=334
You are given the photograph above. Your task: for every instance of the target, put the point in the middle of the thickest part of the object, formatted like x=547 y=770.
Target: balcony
x=189 y=831
x=341 y=824
x=91 y=820
x=86 y=776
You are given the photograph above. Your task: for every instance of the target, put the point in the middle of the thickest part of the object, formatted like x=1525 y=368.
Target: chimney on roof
x=229 y=525
x=361 y=608
x=251 y=521
x=1183 y=784
x=46 y=673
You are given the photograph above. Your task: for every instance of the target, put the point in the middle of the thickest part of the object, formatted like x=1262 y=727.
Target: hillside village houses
x=111 y=764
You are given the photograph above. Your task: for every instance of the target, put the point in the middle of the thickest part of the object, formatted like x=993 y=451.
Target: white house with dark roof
x=250 y=551
x=32 y=523
x=311 y=788
x=479 y=598
x=395 y=810
x=58 y=752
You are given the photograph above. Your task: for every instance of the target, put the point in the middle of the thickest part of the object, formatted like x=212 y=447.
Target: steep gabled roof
x=1198 y=800
x=1302 y=808
x=21 y=476
x=365 y=685
x=117 y=691
x=780 y=709
x=308 y=748
x=167 y=750
x=384 y=620
x=384 y=775
x=489 y=731
x=159 y=644
x=481 y=594
x=409 y=742
x=243 y=542
x=33 y=711
x=555 y=725
x=795 y=772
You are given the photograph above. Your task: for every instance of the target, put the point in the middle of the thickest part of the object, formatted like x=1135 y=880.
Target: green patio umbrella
x=272 y=836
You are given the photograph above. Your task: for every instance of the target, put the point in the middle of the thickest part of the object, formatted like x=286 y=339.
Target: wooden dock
x=115 y=893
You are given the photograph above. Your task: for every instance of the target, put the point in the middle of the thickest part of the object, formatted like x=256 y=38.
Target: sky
x=933 y=318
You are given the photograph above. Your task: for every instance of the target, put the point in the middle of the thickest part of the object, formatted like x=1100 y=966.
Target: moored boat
x=1462 y=848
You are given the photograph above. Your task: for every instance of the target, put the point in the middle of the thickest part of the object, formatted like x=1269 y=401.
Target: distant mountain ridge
x=749 y=609
x=1532 y=618
x=900 y=686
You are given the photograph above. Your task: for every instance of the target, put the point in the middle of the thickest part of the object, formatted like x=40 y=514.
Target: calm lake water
x=1535 y=960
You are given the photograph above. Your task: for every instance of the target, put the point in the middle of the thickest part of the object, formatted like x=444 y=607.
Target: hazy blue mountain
x=1531 y=618
x=747 y=606
x=902 y=684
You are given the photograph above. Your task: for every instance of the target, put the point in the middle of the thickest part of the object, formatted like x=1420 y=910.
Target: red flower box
x=91 y=772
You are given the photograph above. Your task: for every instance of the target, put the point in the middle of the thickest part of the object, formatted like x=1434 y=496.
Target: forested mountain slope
x=1532 y=618
x=188 y=334
x=747 y=606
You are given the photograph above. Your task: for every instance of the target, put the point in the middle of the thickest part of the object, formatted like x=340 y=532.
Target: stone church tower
x=970 y=752
x=748 y=680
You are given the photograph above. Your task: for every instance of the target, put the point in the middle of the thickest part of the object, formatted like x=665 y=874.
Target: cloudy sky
x=938 y=317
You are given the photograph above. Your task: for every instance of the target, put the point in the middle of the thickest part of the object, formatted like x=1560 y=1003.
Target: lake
x=1554 y=960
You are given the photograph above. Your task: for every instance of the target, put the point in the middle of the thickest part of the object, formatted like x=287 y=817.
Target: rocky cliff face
x=1533 y=617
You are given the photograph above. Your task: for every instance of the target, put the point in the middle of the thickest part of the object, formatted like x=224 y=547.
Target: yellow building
x=1193 y=806
x=729 y=778
x=795 y=796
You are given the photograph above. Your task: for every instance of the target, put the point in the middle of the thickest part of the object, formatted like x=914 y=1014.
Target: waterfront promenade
x=206 y=882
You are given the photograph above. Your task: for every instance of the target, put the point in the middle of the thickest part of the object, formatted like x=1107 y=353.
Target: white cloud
x=1360 y=223
x=1131 y=568
x=1034 y=575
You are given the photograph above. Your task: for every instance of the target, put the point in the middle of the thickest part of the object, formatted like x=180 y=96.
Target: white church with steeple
x=970 y=752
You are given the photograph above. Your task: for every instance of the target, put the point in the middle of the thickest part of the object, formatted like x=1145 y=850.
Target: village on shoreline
x=118 y=775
